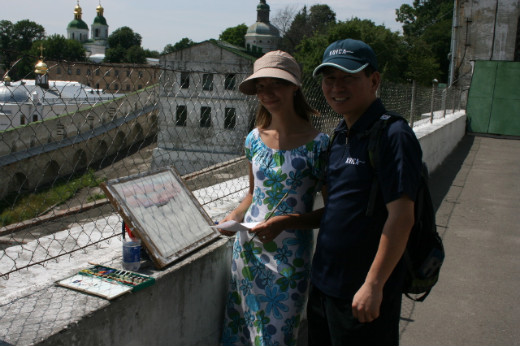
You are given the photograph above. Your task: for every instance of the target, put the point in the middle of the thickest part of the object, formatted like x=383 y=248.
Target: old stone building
x=203 y=116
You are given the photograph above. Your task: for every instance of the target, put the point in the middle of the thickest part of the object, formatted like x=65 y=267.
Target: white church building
x=78 y=30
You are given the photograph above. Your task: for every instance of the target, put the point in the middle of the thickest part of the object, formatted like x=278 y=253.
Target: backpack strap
x=374 y=134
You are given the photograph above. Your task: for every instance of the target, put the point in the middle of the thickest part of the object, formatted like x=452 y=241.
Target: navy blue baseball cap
x=348 y=55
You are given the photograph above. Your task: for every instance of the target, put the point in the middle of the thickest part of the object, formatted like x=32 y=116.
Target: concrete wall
x=482 y=30
x=186 y=304
x=184 y=307
x=440 y=138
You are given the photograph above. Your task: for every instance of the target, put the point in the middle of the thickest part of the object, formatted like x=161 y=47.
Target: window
x=35 y=117
x=97 y=72
x=128 y=87
x=230 y=118
x=207 y=81
x=181 y=116
x=69 y=71
x=58 y=70
x=128 y=73
x=205 y=116
x=78 y=71
x=116 y=73
x=107 y=73
x=185 y=80
x=89 y=72
x=140 y=74
x=230 y=81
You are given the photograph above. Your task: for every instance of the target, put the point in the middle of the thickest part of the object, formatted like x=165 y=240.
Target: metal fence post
x=434 y=86
x=412 y=106
x=453 y=99
x=444 y=95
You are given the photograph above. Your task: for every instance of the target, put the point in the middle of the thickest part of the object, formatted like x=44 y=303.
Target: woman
x=270 y=266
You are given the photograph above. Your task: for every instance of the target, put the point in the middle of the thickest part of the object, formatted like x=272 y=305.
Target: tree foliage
x=235 y=35
x=306 y=24
x=125 y=47
x=183 y=43
x=427 y=28
x=15 y=42
x=57 y=47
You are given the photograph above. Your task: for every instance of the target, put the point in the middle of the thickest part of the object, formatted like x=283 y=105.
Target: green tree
x=115 y=55
x=183 y=43
x=316 y=21
x=235 y=35
x=125 y=46
x=135 y=55
x=151 y=53
x=427 y=24
x=15 y=42
x=124 y=37
x=25 y=33
x=57 y=47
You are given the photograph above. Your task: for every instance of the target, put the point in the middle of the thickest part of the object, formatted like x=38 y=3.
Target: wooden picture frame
x=162 y=212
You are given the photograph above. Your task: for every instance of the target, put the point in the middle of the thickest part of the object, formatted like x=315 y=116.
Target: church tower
x=98 y=43
x=99 y=28
x=262 y=37
x=77 y=28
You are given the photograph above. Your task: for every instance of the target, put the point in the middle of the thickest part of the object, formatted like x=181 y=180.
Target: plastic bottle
x=131 y=253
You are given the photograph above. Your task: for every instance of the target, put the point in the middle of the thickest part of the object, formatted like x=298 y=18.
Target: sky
x=162 y=22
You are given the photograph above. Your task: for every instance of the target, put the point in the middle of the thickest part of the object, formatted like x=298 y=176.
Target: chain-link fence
x=64 y=133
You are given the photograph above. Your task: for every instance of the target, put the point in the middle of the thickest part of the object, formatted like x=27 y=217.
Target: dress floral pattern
x=269 y=281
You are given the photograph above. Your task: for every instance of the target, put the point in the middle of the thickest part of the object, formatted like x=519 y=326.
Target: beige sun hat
x=275 y=64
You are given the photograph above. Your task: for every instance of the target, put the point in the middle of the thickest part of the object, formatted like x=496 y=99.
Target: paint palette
x=107 y=282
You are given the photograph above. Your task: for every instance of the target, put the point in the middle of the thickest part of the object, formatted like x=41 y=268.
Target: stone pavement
x=477 y=190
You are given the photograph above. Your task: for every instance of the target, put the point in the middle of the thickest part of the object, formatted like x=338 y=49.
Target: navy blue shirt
x=348 y=239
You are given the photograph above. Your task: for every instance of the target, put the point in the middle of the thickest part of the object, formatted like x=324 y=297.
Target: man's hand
x=366 y=303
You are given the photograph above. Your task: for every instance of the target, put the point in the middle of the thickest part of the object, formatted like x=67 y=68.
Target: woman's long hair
x=300 y=104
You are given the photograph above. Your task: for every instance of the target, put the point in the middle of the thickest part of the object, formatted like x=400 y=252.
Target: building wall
x=189 y=143
x=109 y=78
x=483 y=30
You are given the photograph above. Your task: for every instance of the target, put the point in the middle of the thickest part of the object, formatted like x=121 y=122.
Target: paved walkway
x=476 y=301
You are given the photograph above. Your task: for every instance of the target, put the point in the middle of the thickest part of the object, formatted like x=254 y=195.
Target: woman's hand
x=267 y=231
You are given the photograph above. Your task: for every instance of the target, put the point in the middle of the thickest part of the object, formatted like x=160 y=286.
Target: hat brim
x=345 y=65
x=248 y=85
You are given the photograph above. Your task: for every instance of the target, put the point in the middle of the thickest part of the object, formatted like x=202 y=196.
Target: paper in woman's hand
x=233 y=226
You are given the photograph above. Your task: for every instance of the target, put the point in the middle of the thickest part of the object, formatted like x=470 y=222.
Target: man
x=357 y=271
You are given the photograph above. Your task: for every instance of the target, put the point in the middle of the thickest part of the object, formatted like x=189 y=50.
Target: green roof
x=100 y=20
x=78 y=24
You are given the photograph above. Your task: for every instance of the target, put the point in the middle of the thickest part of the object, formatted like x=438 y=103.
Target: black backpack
x=424 y=252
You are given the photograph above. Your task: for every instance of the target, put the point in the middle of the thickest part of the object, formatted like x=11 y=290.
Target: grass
x=17 y=208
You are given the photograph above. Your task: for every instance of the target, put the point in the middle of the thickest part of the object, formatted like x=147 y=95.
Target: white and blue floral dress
x=269 y=282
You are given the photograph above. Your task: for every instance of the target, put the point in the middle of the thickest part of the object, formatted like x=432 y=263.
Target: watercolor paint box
x=107 y=282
